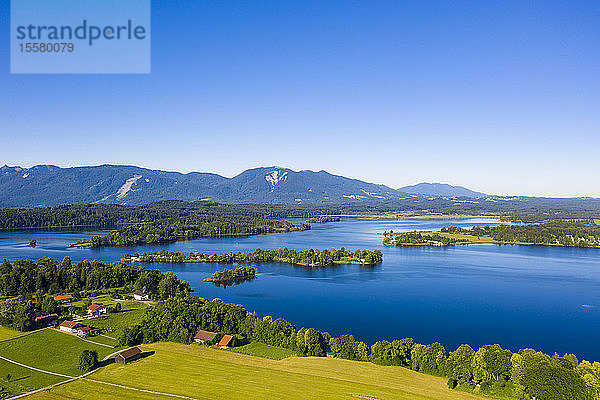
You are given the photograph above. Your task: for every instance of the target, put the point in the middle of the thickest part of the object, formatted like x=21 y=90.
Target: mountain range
x=48 y=185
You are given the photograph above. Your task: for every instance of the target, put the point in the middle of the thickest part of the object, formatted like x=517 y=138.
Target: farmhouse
x=204 y=336
x=69 y=326
x=137 y=295
x=46 y=319
x=128 y=355
x=226 y=342
x=96 y=310
x=63 y=298
x=84 y=331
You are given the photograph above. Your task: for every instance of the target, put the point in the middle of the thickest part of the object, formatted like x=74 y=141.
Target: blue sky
x=502 y=97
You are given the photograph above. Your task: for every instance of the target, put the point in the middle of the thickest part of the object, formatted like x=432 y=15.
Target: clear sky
x=499 y=96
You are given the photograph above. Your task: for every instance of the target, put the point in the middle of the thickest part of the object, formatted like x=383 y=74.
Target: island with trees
x=323 y=219
x=229 y=276
x=568 y=234
x=306 y=258
x=188 y=228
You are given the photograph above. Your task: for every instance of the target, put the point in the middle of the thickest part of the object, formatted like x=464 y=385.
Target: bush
x=88 y=360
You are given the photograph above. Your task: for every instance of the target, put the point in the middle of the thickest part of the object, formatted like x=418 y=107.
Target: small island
x=323 y=219
x=229 y=276
x=567 y=234
x=306 y=258
x=33 y=242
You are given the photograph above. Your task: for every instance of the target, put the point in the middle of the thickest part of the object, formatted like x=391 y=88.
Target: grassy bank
x=264 y=350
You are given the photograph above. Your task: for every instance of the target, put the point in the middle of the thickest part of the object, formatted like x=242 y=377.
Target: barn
x=128 y=355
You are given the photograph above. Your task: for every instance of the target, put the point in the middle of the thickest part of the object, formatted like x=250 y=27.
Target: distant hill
x=48 y=185
x=440 y=189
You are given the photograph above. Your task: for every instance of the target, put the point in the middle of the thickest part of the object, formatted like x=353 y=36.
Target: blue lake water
x=547 y=298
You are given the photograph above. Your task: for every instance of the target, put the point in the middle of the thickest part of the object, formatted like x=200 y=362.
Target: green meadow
x=264 y=350
x=49 y=350
x=207 y=373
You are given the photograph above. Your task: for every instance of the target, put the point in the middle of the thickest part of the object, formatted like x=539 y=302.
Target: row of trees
x=571 y=234
x=496 y=371
x=190 y=227
x=311 y=257
x=179 y=319
x=25 y=277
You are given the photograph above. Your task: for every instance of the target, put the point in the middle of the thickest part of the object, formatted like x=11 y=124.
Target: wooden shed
x=128 y=355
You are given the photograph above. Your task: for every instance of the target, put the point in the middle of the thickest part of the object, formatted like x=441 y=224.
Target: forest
x=27 y=285
x=311 y=257
x=492 y=370
x=111 y=216
x=188 y=228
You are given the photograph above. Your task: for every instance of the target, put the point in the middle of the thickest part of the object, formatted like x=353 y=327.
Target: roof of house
x=226 y=340
x=205 y=335
x=44 y=317
x=132 y=352
x=69 y=324
x=139 y=293
x=95 y=307
x=63 y=297
x=85 y=328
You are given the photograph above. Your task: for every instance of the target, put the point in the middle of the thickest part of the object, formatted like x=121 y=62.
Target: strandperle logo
x=80 y=36
x=85 y=31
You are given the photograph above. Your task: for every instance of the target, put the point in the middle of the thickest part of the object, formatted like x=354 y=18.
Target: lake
x=546 y=298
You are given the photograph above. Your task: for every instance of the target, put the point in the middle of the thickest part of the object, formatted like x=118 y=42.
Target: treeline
x=188 y=228
x=179 y=319
x=417 y=239
x=311 y=257
x=111 y=216
x=323 y=219
x=574 y=234
x=229 y=275
x=491 y=369
x=29 y=283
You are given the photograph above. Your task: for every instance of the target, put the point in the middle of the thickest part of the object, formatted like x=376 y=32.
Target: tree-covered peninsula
x=568 y=234
x=190 y=227
x=308 y=258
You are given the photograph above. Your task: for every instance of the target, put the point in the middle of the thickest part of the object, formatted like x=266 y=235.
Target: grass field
x=467 y=238
x=23 y=379
x=206 y=373
x=7 y=333
x=264 y=350
x=49 y=350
